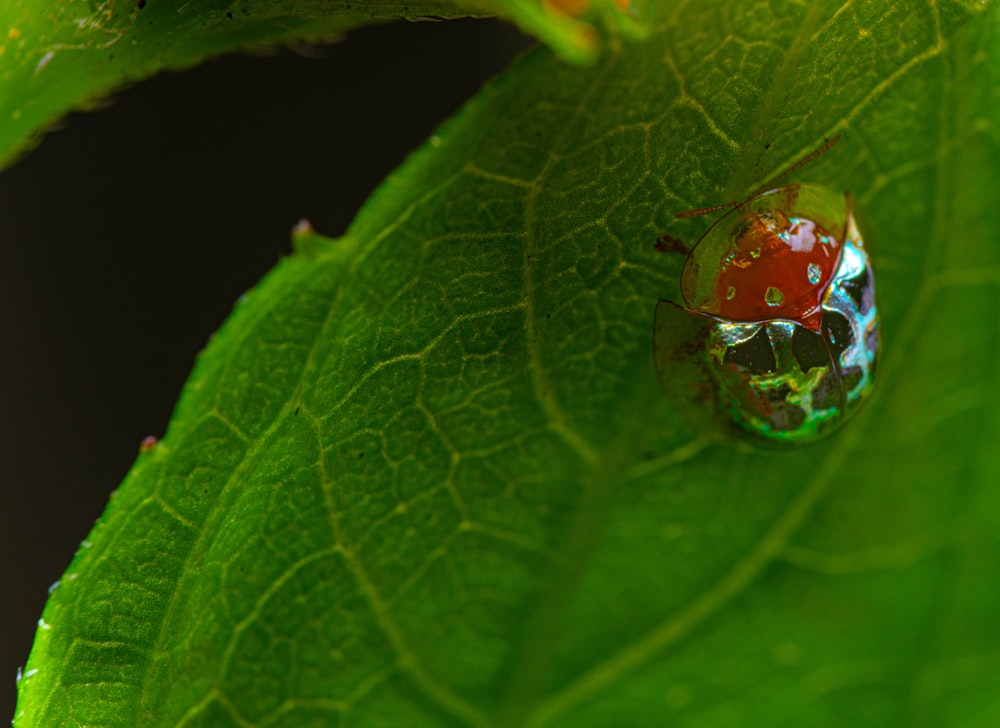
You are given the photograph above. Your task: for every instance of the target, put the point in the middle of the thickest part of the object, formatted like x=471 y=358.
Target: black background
x=128 y=234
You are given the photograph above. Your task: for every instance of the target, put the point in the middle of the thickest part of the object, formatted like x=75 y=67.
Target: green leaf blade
x=424 y=475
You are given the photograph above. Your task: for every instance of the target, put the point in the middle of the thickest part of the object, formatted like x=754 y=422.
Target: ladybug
x=778 y=336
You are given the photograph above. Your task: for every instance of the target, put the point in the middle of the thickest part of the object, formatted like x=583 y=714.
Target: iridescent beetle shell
x=780 y=333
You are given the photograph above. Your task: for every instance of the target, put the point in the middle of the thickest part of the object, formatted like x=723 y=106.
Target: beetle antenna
x=706 y=210
x=827 y=143
x=821 y=149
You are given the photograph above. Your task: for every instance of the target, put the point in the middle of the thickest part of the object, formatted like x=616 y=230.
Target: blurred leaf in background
x=69 y=54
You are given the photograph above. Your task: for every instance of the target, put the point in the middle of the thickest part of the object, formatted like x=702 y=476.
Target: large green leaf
x=424 y=476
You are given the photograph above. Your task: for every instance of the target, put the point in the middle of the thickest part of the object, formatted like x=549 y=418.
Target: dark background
x=127 y=236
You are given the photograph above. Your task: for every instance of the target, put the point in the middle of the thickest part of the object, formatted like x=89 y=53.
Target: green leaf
x=76 y=51
x=424 y=476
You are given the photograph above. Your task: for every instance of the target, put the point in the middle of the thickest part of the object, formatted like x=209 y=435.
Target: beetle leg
x=667 y=243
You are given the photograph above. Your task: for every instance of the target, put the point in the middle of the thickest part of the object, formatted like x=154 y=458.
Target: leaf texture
x=424 y=475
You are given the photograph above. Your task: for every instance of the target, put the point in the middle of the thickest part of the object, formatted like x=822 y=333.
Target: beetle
x=778 y=336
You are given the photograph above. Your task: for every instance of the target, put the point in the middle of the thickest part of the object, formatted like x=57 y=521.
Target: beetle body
x=779 y=334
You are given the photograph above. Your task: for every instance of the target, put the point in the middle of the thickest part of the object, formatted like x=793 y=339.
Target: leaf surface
x=424 y=476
